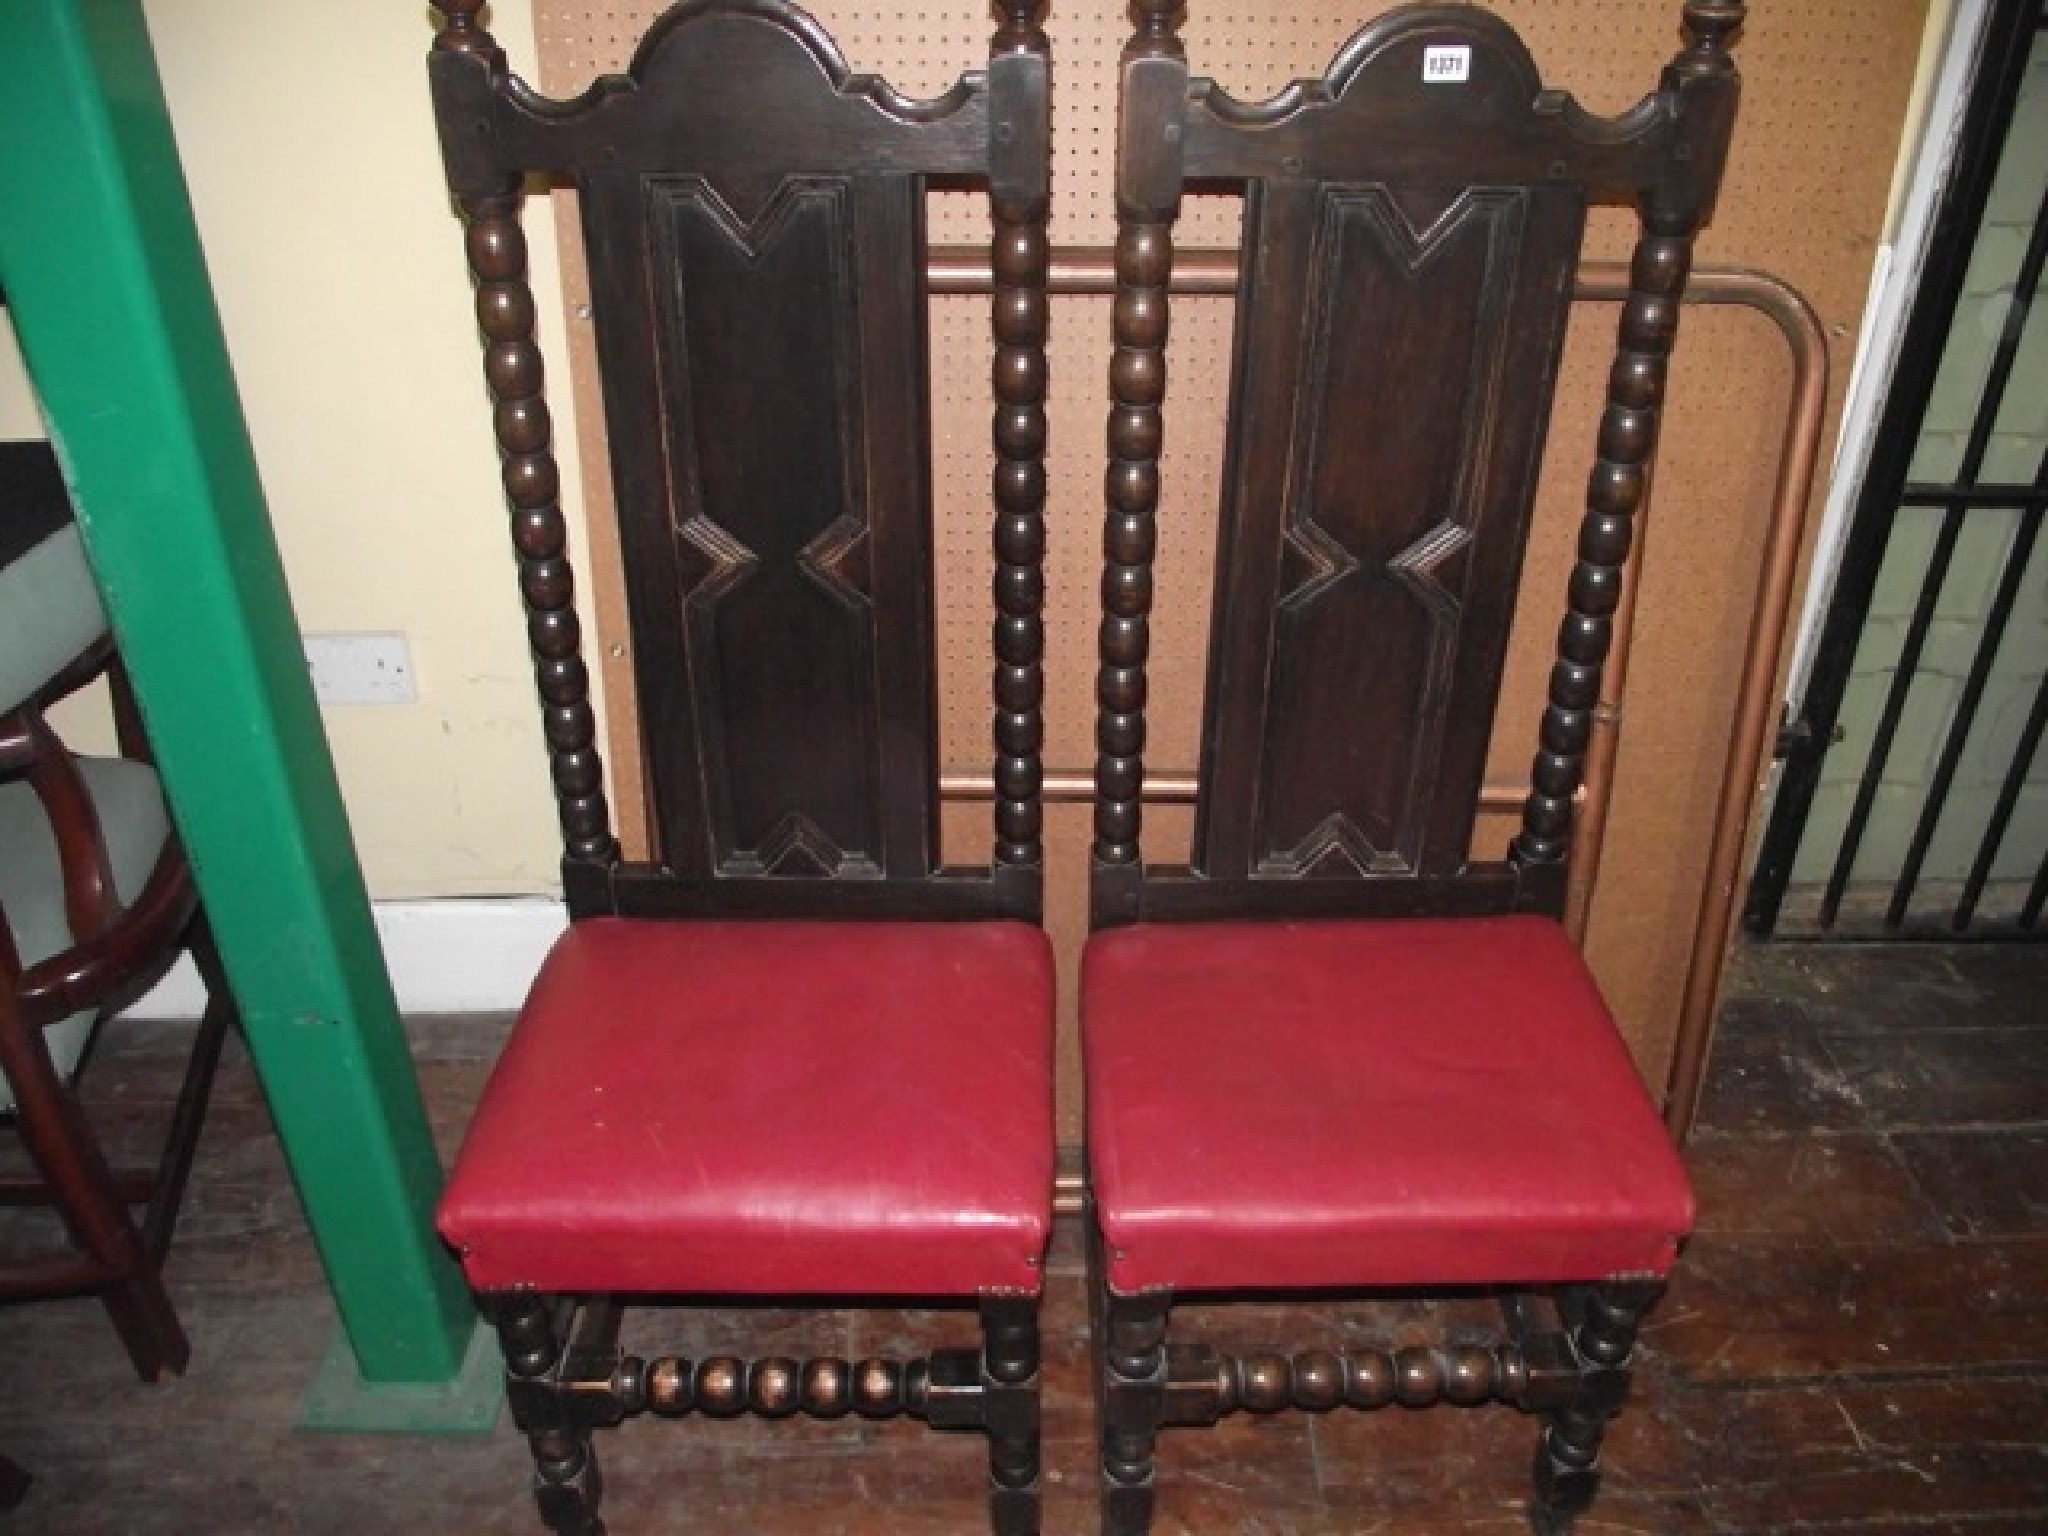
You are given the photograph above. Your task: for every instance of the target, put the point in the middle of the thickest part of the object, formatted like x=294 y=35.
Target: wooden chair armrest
x=84 y=668
x=108 y=969
x=31 y=750
x=102 y=659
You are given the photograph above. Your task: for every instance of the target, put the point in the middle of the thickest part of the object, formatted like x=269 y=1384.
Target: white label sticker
x=1447 y=65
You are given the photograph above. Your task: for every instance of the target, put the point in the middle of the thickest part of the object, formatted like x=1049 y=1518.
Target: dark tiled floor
x=1857 y=1340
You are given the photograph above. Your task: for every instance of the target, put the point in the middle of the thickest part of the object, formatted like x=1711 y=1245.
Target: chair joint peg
x=596 y=1402
x=584 y=1400
x=536 y=1404
x=1194 y=1391
x=1603 y=1390
x=956 y=1393
x=1552 y=1376
x=1135 y=1403
x=1010 y=1410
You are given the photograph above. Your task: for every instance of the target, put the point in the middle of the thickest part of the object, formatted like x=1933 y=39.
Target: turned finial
x=1158 y=24
x=1710 y=26
x=1022 y=29
x=464 y=33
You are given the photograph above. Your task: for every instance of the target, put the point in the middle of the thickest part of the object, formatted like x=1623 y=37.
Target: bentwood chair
x=1335 y=1051
x=96 y=904
x=789 y=1056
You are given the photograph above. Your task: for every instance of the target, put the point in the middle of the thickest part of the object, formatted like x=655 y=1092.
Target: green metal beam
x=108 y=287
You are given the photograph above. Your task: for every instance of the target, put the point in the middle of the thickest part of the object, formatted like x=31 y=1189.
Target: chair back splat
x=753 y=215
x=1335 y=1049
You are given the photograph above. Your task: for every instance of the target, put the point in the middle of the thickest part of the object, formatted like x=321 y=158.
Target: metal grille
x=1915 y=799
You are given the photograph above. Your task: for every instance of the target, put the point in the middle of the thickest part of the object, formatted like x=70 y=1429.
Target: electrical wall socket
x=361 y=669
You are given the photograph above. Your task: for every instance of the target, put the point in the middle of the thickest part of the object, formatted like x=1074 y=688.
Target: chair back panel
x=1412 y=225
x=753 y=217
x=774 y=511
x=1395 y=366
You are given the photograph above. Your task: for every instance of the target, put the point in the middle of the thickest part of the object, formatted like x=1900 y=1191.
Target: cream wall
x=337 y=264
x=18 y=415
x=1934 y=42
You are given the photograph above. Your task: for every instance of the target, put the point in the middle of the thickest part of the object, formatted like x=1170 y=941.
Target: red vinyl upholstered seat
x=1357 y=1104
x=720 y=1107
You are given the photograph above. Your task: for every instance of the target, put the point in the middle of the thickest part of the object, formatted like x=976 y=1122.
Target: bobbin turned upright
x=787 y=1056
x=1337 y=1050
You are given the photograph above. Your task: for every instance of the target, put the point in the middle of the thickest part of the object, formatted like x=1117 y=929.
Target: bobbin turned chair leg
x=567 y=1485
x=1133 y=1406
x=1011 y=1414
x=1603 y=1322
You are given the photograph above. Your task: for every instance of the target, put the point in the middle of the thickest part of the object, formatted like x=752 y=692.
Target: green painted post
x=108 y=287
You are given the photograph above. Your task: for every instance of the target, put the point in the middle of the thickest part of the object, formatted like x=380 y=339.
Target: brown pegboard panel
x=962 y=459
x=1806 y=185
x=919 y=49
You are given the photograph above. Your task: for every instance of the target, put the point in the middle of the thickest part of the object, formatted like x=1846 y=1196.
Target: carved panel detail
x=1423 y=565
x=837 y=560
x=709 y=560
x=767 y=489
x=1400 y=388
x=1314 y=562
x=799 y=846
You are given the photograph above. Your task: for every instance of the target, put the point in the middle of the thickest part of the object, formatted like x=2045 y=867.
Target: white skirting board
x=469 y=955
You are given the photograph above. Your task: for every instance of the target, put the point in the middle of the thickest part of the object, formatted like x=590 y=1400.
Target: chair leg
x=567 y=1485
x=1011 y=1393
x=142 y=1314
x=1131 y=1349
x=1603 y=1323
x=60 y=1140
x=188 y=1116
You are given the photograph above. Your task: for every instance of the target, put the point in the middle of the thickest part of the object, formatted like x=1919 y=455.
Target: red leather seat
x=752 y=1108
x=1357 y=1104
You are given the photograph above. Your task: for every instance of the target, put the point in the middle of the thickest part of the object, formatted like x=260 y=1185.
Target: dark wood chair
x=96 y=904
x=791 y=1056
x=1334 y=1051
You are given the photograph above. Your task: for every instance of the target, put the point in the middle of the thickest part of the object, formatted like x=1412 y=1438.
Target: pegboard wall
x=1804 y=199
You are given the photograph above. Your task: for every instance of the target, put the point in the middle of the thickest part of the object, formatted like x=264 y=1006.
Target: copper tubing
x=1089 y=270
x=1756 y=698
x=1080 y=269
x=1160 y=789
x=1071 y=788
x=1756 y=692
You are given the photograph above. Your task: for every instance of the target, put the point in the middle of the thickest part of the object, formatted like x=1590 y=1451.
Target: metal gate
x=1914 y=799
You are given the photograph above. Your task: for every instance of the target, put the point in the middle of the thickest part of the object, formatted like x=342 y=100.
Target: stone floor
x=1857 y=1339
